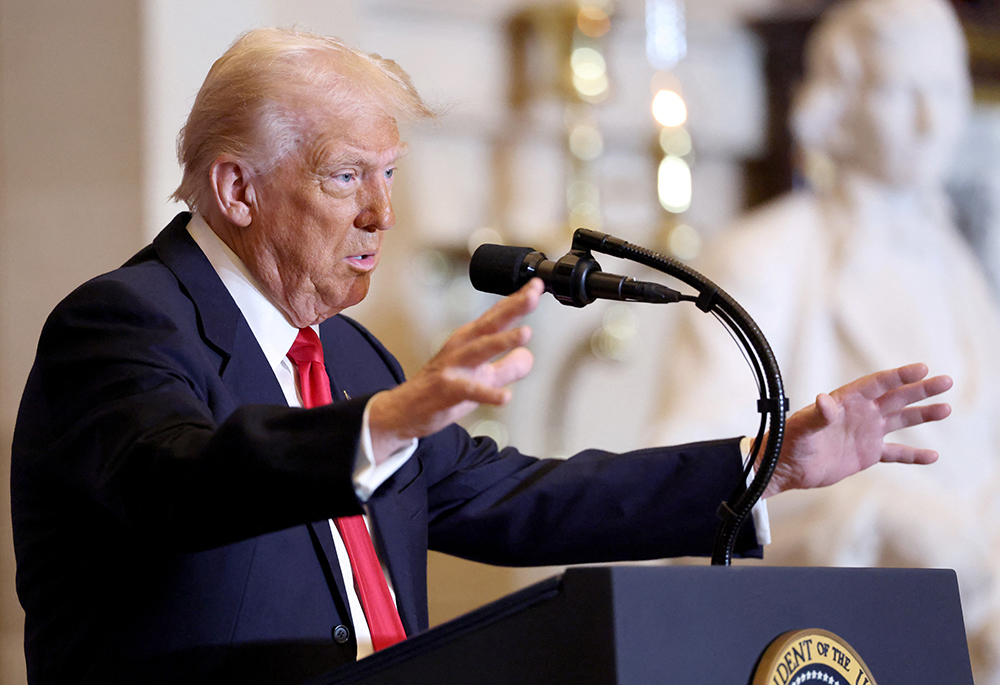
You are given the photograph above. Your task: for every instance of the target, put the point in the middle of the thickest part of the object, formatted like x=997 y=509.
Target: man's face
x=319 y=218
x=909 y=109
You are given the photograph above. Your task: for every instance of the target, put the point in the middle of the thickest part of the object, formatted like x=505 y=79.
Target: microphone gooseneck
x=577 y=280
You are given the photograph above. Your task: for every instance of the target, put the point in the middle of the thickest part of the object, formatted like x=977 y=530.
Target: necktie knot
x=306 y=348
x=307 y=355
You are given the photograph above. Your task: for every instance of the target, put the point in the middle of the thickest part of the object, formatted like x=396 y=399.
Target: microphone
x=575 y=279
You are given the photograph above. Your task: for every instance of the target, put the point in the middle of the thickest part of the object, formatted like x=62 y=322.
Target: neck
x=869 y=194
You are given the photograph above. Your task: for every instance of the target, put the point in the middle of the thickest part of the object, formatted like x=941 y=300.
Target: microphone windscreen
x=497 y=268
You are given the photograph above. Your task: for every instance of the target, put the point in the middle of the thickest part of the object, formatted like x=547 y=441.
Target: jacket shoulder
x=346 y=334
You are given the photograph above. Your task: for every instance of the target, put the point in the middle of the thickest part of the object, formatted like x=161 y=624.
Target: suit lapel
x=401 y=532
x=327 y=552
x=218 y=315
x=243 y=368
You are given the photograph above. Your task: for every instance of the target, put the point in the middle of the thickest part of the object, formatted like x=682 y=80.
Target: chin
x=915 y=175
x=357 y=292
x=335 y=300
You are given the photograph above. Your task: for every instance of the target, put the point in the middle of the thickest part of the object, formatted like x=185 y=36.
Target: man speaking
x=218 y=477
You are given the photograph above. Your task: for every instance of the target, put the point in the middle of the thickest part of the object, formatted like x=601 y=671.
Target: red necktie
x=369 y=581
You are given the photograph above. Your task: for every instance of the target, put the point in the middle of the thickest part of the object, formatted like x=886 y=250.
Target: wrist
x=774 y=485
x=384 y=429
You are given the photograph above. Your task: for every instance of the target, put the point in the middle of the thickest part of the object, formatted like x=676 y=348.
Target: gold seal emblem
x=811 y=657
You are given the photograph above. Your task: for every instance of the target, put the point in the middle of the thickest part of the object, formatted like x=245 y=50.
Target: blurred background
x=658 y=121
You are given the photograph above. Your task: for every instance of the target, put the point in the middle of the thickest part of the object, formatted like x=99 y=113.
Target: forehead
x=358 y=134
x=915 y=53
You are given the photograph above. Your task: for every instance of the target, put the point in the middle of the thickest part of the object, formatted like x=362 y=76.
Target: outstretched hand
x=843 y=433
x=473 y=367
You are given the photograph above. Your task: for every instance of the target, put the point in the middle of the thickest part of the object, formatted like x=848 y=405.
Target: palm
x=844 y=432
x=473 y=367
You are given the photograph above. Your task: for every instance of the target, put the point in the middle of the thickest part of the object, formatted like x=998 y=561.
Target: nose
x=376 y=208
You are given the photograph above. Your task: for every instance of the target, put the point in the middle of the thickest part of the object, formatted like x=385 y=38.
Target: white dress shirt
x=761 y=522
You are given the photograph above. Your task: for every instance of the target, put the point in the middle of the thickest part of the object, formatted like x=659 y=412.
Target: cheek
x=946 y=122
x=885 y=119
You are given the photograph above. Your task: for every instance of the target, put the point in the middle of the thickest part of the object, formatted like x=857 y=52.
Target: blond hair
x=250 y=105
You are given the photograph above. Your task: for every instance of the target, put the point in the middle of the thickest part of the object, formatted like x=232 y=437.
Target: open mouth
x=365 y=260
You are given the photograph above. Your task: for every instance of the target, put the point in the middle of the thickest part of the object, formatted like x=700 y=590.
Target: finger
x=509 y=369
x=484 y=348
x=504 y=313
x=877 y=384
x=470 y=390
x=813 y=418
x=914 y=416
x=911 y=373
x=904 y=454
x=512 y=367
x=896 y=400
x=829 y=409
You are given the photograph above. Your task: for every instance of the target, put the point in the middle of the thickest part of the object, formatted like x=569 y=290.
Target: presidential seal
x=811 y=657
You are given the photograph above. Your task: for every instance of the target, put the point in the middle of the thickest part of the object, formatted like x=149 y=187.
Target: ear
x=233 y=189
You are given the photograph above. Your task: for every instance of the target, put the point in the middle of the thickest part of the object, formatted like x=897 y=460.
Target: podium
x=644 y=625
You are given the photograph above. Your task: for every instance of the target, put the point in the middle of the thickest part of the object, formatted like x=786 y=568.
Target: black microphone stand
x=772 y=405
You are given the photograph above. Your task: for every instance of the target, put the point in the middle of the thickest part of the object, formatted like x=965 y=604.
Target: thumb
x=827 y=408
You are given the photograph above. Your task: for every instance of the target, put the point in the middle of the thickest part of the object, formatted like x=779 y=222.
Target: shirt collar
x=274 y=333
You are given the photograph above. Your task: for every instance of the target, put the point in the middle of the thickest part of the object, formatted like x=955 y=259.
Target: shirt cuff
x=368 y=475
x=761 y=522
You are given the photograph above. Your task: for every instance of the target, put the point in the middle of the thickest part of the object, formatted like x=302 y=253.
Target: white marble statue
x=867 y=271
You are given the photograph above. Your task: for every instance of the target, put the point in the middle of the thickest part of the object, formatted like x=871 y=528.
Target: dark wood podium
x=652 y=625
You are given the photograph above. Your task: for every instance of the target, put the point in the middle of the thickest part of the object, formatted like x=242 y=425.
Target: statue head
x=886 y=90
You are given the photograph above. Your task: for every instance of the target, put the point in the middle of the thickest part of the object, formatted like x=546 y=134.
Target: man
x=171 y=498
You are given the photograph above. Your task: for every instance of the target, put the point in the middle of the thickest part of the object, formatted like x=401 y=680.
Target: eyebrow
x=357 y=158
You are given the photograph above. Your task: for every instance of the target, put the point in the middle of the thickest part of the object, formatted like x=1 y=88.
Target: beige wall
x=70 y=161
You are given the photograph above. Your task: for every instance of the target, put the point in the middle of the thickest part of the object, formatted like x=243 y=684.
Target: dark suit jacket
x=170 y=512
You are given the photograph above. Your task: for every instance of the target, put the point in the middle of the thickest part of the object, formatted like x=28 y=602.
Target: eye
x=344 y=177
x=389 y=172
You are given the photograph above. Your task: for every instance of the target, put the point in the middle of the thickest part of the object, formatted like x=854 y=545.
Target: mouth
x=364 y=261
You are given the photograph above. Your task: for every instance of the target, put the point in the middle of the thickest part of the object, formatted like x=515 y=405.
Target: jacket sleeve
x=502 y=507
x=126 y=418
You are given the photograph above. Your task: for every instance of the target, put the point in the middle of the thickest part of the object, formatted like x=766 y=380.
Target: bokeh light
x=669 y=108
x=491 y=428
x=593 y=21
x=588 y=63
x=484 y=235
x=586 y=142
x=684 y=242
x=673 y=184
x=675 y=141
x=590 y=74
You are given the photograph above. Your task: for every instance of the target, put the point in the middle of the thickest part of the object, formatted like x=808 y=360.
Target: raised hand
x=843 y=433
x=473 y=367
